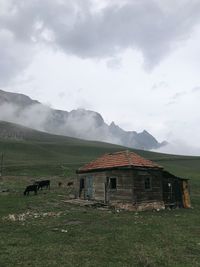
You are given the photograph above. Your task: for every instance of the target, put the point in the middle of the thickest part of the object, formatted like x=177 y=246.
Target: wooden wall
x=130 y=185
x=124 y=190
x=98 y=190
x=154 y=193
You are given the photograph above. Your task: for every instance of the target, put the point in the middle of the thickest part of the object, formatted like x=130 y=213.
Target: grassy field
x=44 y=230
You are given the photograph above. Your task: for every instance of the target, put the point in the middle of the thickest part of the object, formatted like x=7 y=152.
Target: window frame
x=149 y=182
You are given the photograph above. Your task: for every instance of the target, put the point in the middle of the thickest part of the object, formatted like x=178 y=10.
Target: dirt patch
x=30 y=215
x=88 y=203
x=73 y=222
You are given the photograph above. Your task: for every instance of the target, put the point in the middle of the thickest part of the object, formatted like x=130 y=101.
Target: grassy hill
x=27 y=151
x=30 y=152
x=44 y=230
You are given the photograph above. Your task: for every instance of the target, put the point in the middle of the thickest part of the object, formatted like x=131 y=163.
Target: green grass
x=56 y=233
x=62 y=154
x=80 y=236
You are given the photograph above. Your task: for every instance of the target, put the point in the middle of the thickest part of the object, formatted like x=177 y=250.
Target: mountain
x=15 y=98
x=79 y=123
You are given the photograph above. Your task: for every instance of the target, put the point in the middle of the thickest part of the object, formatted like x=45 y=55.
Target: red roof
x=118 y=159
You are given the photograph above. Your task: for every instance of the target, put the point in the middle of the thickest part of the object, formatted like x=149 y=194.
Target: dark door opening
x=82 y=186
x=172 y=195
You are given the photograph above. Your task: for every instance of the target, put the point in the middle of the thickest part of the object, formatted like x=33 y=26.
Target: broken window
x=147 y=183
x=113 y=183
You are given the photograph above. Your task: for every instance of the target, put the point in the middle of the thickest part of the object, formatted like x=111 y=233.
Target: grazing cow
x=70 y=183
x=30 y=188
x=44 y=183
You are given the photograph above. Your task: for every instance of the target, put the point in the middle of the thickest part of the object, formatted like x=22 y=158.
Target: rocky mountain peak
x=15 y=98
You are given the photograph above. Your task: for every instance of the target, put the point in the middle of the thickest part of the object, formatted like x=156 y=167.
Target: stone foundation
x=155 y=205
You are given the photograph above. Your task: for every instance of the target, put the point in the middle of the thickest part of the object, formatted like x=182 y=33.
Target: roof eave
x=119 y=168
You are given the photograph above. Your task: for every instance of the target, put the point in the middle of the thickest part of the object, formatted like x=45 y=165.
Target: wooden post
x=1 y=171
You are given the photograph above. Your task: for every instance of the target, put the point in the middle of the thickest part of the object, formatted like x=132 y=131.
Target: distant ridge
x=79 y=123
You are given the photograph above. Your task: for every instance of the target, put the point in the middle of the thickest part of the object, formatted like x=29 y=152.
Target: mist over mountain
x=79 y=123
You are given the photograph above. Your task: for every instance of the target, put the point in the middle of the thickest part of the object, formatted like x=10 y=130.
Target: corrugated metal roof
x=118 y=159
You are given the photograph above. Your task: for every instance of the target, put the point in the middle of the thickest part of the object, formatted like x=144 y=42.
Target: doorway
x=89 y=188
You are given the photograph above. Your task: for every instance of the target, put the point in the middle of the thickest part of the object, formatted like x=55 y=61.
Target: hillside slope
x=30 y=152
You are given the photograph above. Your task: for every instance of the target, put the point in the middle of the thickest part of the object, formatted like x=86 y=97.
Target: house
x=126 y=180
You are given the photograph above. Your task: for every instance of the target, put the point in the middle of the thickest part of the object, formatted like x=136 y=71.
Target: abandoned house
x=126 y=180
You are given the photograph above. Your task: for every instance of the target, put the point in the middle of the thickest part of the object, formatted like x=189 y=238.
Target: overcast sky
x=136 y=62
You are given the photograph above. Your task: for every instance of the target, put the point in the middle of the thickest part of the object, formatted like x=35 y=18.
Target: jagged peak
x=113 y=124
x=145 y=132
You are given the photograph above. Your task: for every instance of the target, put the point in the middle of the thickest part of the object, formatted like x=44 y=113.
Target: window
x=147 y=183
x=113 y=183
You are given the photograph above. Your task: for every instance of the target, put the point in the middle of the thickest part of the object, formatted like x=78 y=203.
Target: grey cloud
x=196 y=89
x=61 y=94
x=151 y=27
x=114 y=63
x=143 y=25
x=160 y=85
x=176 y=97
x=14 y=56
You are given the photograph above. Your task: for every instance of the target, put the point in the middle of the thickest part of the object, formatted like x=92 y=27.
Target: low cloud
x=179 y=147
x=33 y=116
x=196 y=89
x=78 y=123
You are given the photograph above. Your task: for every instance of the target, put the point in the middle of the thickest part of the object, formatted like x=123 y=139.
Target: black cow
x=44 y=183
x=70 y=183
x=30 y=188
